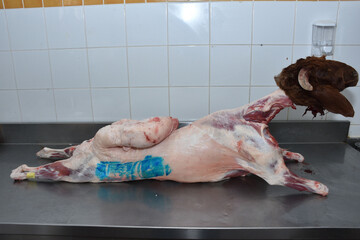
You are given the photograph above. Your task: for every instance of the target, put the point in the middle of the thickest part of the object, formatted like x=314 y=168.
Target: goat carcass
x=224 y=144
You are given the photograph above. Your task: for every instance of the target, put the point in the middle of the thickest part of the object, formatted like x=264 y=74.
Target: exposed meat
x=225 y=144
x=316 y=83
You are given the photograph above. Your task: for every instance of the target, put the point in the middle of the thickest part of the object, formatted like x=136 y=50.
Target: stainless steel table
x=240 y=208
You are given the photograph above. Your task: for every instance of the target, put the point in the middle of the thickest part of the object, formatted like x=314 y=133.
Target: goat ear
x=332 y=100
x=303 y=80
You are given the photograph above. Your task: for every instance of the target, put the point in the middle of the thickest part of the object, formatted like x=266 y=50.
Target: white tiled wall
x=106 y=62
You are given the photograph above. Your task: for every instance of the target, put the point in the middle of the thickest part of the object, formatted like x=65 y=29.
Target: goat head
x=316 y=83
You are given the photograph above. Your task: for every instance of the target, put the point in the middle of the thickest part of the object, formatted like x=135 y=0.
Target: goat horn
x=304 y=80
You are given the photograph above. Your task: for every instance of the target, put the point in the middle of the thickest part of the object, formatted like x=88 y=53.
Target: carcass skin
x=228 y=143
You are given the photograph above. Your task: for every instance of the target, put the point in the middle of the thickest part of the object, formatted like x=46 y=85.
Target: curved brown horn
x=332 y=100
x=304 y=80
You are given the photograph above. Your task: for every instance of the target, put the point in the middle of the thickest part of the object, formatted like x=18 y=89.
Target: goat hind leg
x=302 y=184
x=56 y=154
x=281 y=175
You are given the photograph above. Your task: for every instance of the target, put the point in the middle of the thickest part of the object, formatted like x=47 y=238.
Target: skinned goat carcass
x=224 y=144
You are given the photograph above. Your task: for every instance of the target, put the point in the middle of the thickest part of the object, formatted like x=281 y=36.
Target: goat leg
x=56 y=154
x=54 y=171
x=279 y=174
x=288 y=156
x=302 y=184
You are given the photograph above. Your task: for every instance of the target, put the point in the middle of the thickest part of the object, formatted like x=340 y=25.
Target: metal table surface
x=239 y=208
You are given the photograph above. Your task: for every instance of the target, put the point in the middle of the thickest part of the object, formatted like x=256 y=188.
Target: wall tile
x=189 y=103
x=148 y=66
x=32 y=3
x=108 y=67
x=69 y=68
x=222 y=98
x=187 y=1
x=107 y=30
x=273 y=22
x=150 y=28
x=135 y=1
x=268 y=61
x=348 y=17
x=259 y=92
x=52 y=3
x=149 y=102
x=113 y=1
x=231 y=22
x=26 y=28
x=37 y=105
x=9 y=106
x=188 y=23
x=229 y=65
x=110 y=104
x=93 y=2
x=7 y=80
x=13 y=4
x=32 y=69
x=72 y=2
x=308 y=13
x=354 y=131
x=353 y=95
x=348 y=54
x=65 y=27
x=73 y=105
x=189 y=66
x=4 y=37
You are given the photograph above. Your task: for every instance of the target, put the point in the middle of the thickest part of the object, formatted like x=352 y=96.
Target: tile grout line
x=337 y=18
x=13 y=65
x=209 y=92
x=127 y=60
x=184 y=1
x=88 y=64
x=294 y=33
x=292 y=48
x=179 y=86
x=190 y=45
x=336 y=24
x=168 y=55
x=251 y=48
x=51 y=73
